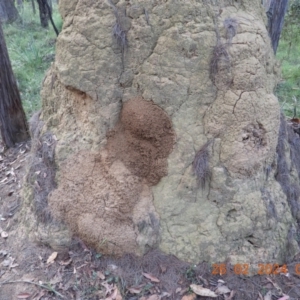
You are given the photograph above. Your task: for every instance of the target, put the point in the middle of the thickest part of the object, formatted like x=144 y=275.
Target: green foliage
x=31 y=51
x=288 y=54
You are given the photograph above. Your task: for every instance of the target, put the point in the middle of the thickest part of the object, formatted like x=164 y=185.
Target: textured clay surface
x=214 y=82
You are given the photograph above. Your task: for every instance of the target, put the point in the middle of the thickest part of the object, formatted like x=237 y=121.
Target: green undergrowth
x=288 y=89
x=31 y=49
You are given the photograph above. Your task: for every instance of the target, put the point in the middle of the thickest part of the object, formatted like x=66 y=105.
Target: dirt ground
x=31 y=271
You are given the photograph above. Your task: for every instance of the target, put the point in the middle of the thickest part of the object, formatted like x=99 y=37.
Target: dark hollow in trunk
x=13 y=124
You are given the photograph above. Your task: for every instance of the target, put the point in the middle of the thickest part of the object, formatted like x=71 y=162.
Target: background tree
x=13 y=124
x=8 y=11
x=33 y=7
x=45 y=9
x=20 y=5
x=275 y=13
x=44 y=13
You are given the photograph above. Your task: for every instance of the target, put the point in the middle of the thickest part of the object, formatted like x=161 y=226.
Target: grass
x=289 y=86
x=31 y=49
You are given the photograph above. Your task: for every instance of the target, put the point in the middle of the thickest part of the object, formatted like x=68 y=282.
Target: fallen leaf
x=134 y=290
x=201 y=291
x=152 y=278
x=109 y=288
x=65 y=263
x=23 y=296
x=260 y=297
x=153 y=297
x=163 y=268
x=51 y=258
x=178 y=290
x=285 y=297
x=268 y=296
x=113 y=295
x=13 y=266
x=119 y=296
x=189 y=297
x=4 y=234
x=223 y=289
x=101 y=275
x=164 y=294
x=232 y=293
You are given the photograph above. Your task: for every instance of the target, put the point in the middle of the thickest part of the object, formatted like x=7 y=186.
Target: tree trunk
x=44 y=15
x=33 y=7
x=8 y=11
x=13 y=124
x=20 y=5
x=275 y=13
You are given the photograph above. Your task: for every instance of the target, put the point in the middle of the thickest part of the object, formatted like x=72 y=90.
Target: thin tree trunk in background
x=20 y=5
x=33 y=7
x=275 y=13
x=8 y=11
x=43 y=9
x=13 y=124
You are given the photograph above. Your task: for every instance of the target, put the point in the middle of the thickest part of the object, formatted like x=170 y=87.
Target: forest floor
x=35 y=272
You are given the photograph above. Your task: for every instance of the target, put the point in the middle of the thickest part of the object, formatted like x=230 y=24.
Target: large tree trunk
x=8 y=11
x=44 y=13
x=13 y=122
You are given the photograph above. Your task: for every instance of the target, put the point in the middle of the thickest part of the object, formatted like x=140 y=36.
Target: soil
x=32 y=271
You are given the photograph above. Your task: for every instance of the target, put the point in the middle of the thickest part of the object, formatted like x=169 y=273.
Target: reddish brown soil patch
x=142 y=140
x=105 y=197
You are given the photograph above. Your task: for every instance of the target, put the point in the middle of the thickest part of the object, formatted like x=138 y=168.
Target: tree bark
x=13 y=124
x=44 y=15
x=8 y=11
